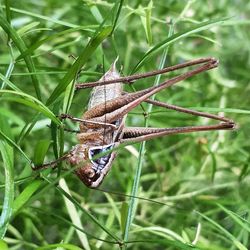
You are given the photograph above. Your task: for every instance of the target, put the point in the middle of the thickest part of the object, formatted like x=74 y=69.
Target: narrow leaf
x=40 y=151
x=51 y=37
x=26 y=194
x=177 y=36
x=31 y=101
x=8 y=163
x=81 y=60
x=22 y=47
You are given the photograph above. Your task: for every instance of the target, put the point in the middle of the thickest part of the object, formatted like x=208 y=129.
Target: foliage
x=192 y=190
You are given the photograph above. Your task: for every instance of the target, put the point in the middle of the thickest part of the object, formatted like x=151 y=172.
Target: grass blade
x=135 y=188
x=22 y=47
x=244 y=224
x=30 y=101
x=223 y=231
x=14 y=145
x=177 y=36
x=118 y=12
x=61 y=246
x=74 y=216
x=81 y=60
x=26 y=194
x=8 y=160
x=40 y=151
x=52 y=37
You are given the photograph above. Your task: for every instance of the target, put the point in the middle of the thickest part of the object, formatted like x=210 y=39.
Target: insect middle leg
x=137 y=134
x=189 y=111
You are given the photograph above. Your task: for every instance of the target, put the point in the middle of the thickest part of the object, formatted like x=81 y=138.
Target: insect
x=102 y=126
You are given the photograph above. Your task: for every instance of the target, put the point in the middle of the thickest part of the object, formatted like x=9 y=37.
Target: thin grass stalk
x=134 y=193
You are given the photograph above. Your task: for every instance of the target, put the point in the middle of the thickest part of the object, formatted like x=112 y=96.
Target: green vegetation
x=190 y=192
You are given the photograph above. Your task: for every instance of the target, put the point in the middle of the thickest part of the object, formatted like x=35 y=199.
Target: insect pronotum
x=102 y=126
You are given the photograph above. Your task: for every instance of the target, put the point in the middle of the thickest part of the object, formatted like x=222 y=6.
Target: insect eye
x=90 y=173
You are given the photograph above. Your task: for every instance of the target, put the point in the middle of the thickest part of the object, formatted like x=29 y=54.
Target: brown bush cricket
x=102 y=127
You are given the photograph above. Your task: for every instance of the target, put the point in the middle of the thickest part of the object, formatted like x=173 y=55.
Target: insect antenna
x=52 y=164
x=105 y=107
x=171 y=203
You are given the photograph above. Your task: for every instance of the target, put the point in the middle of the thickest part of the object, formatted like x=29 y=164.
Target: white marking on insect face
x=99 y=163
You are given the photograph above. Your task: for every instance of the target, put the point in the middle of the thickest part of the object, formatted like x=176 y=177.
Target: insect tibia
x=138 y=134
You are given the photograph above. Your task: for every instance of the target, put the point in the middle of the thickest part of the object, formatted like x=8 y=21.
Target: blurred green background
x=194 y=188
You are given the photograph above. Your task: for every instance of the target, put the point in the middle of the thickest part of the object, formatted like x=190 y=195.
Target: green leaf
x=88 y=214
x=9 y=83
x=117 y=10
x=49 y=19
x=40 y=151
x=236 y=218
x=96 y=13
x=51 y=37
x=61 y=245
x=3 y=245
x=222 y=230
x=17 y=40
x=26 y=194
x=81 y=60
x=7 y=10
x=14 y=145
x=8 y=163
x=26 y=28
x=30 y=101
x=177 y=36
x=75 y=216
x=124 y=214
x=146 y=22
